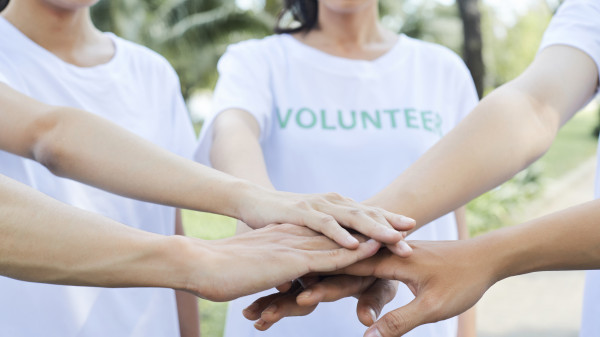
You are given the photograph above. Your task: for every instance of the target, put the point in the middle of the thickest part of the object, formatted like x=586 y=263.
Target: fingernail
x=351 y=240
x=251 y=308
x=402 y=245
x=259 y=324
x=407 y=220
x=305 y=294
x=270 y=310
x=373 y=332
x=373 y=314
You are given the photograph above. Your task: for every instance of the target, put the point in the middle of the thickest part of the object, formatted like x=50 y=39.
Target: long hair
x=305 y=12
x=3 y=4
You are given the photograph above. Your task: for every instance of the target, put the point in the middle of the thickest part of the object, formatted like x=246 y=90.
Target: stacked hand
x=328 y=214
x=447 y=278
x=263 y=259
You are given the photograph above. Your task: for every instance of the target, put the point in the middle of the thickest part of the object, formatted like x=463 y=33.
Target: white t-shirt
x=350 y=126
x=138 y=90
x=577 y=24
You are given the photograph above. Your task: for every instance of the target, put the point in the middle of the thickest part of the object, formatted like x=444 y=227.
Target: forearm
x=94 y=151
x=507 y=131
x=492 y=144
x=236 y=149
x=43 y=240
x=567 y=240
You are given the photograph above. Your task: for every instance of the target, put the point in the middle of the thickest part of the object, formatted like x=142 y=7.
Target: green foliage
x=192 y=35
x=505 y=205
x=499 y=207
x=510 y=47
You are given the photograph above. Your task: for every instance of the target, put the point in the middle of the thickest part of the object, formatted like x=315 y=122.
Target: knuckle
x=355 y=211
x=334 y=196
x=373 y=213
x=327 y=219
x=303 y=205
x=433 y=307
x=395 y=322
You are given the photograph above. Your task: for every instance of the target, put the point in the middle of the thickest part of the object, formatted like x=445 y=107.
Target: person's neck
x=356 y=35
x=69 y=34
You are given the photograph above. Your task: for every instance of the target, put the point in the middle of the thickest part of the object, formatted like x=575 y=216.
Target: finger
x=327 y=224
x=372 y=301
x=253 y=311
x=401 y=248
x=330 y=260
x=285 y=306
x=284 y=287
x=334 y=288
x=397 y=322
x=371 y=223
x=399 y=222
x=261 y=325
x=308 y=280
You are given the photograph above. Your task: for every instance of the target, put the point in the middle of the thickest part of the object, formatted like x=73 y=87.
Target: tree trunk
x=472 y=50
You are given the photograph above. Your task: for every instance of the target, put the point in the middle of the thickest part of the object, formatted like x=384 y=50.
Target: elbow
x=544 y=125
x=48 y=146
x=534 y=124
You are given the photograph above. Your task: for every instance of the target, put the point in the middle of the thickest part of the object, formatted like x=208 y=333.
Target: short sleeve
x=8 y=75
x=576 y=24
x=183 y=141
x=3 y=79
x=244 y=83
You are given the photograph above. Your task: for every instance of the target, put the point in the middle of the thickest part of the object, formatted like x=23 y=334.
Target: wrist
x=252 y=203
x=502 y=254
x=188 y=264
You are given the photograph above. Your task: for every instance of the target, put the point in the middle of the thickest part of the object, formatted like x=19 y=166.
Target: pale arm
x=508 y=130
x=236 y=150
x=187 y=304
x=81 y=146
x=43 y=240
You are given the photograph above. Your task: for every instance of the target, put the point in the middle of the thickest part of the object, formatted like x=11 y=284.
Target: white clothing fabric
x=350 y=126
x=137 y=90
x=577 y=24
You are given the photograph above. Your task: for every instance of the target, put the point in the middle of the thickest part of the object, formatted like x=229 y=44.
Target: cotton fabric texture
x=577 y=24
x=349 y=126
x=139 y=91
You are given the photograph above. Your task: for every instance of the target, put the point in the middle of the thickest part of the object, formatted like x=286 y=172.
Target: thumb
x=396 y=323
x=372 y=301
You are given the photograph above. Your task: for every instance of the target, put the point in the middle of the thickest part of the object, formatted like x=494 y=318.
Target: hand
x=303 y=298
x=447 y=278
x=264 y=258
x=328 y=214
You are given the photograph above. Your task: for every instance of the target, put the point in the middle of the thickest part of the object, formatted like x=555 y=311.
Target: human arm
x=236 y=150
x=187 y=304
x=75 y=144
x=508 y=130
x=43 y=240
x=450 y=277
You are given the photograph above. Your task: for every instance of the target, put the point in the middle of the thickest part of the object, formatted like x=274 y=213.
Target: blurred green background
x=192 y=35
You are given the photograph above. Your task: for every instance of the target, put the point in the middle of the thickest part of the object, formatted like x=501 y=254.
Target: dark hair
x=3 y=4
x=305 y=12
